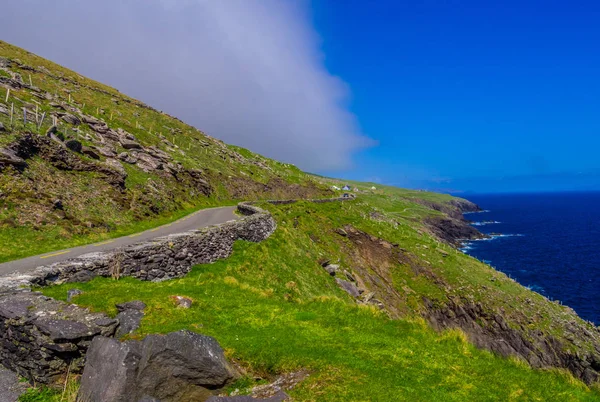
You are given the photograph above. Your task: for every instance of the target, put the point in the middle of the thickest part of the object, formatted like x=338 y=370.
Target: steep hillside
x=79 y=161
x=366 y=299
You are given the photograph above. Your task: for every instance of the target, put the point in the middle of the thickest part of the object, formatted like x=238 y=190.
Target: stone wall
x=162 y=258
x=42 y=338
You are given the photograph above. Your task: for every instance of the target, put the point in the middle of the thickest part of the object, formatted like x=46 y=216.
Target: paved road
x=197 y=220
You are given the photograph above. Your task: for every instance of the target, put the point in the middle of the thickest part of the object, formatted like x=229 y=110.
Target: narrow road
x=197 y=220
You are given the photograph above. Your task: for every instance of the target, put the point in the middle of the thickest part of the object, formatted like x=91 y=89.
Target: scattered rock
x=71 y=293
x=180 y=366
x=107 y=151
x=116 y=165
x=182 y=301
x=71 y=119
x=127 y=144
x=2 y=127
x=74 y=145
x=125 y=157
x=90 y=152
x=349 y=287
x=9 y=157
x=131 y=305
x=332 y=269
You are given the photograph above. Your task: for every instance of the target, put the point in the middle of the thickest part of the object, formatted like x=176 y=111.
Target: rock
x=129 y=321
x=72 y=293
x=89 y=152
x=125 y=157
x=278 y=397
x=131 y=305
x=2 y=127
x=180 y=366
x=9 y=157
x=43 y=337
x=332 y=269
x=128 y=144
x=107 y=151
x=147 y=162
x=81 y=276
x=10 y=386
x=349 y=287
x=57 y=204
x=74 y=145
x=71 y=119
x=116 y=165
x=181 y=301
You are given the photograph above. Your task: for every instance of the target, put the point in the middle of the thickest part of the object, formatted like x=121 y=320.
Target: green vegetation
x=273 y=307
x=94 y=208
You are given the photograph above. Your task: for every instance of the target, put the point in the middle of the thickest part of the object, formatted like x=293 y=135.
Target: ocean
x=549 y=242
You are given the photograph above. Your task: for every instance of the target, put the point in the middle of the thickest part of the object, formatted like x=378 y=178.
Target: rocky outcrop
x=42 y=338
x=489 y=330
x=180 y=366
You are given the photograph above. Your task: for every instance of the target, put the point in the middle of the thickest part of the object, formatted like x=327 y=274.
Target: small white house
x=346 y=188
x=373 y=188
x=335 y=188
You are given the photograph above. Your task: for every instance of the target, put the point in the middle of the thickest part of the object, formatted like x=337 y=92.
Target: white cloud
x=247 y=71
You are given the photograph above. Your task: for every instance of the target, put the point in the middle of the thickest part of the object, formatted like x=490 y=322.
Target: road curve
x=196 y=220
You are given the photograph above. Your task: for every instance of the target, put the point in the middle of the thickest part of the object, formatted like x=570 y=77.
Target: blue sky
x=444 y=95
x=470 y=95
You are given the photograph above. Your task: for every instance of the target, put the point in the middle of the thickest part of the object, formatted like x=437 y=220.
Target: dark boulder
x=129 y=317
x=74 y=145
x=2 y=127
x=175 y=367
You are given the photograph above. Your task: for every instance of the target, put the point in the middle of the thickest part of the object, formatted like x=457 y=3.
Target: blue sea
x=550 y=243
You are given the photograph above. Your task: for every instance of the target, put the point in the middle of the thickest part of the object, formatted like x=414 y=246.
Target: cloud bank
x=246 y=71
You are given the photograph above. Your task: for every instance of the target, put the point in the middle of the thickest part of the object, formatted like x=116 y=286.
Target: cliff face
x=494 y=312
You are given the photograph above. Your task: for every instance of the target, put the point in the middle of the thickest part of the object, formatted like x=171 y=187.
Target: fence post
x=24 y=116
x=7 y=94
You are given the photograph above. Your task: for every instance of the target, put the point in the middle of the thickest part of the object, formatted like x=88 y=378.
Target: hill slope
x=130 y=163
x=100 y=164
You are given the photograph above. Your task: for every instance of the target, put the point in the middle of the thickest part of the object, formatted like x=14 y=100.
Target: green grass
x=354 y=353
x=273 y=307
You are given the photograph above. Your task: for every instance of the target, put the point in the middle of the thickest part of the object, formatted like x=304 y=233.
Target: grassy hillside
x=427 y=323
x=275 y=309
x=138 y=167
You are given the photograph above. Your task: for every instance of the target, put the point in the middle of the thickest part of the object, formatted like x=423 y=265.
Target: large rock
x=180 y=366
x=129 y=317
x=128 y=144
x=41 y=338
x=9 y=157
x=71 y=119
x=74 y=145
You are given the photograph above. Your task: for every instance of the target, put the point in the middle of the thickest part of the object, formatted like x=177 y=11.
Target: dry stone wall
x=162 y=258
